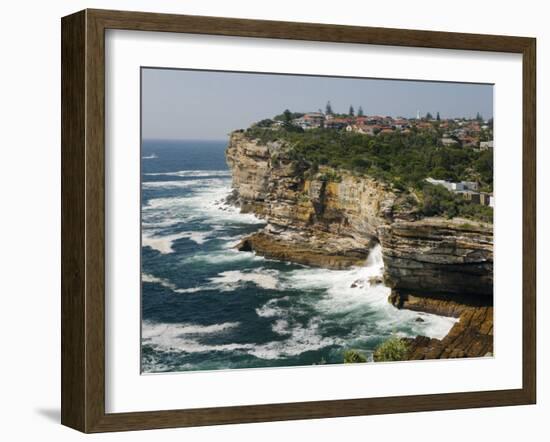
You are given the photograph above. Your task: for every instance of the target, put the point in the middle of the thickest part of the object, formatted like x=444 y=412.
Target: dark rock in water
x=419 y=319
x=245 y=246
x=232 y=199
x=358 y=283
x=376 y=280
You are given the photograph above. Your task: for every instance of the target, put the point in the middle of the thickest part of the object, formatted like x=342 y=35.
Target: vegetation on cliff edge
x=354 y=357
x=394 y=349
x=403 y=160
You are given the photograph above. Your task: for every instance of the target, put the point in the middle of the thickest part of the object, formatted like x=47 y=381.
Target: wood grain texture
x=529 y=220
x=83 y=219
x=73 y=258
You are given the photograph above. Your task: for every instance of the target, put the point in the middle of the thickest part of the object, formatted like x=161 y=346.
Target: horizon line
x=183 y=139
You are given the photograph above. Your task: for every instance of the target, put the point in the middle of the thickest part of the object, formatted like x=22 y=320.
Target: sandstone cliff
x=437 y=256
x=331 y=219
x=312 y=220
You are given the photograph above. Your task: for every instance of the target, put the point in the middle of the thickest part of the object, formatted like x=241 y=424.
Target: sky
x=182 y=104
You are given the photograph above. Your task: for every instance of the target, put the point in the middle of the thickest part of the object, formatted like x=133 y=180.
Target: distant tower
x=418 y=115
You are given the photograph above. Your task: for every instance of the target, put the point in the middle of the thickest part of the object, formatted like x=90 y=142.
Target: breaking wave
x=186 y=338
x=271 y=312
x=192 y=173
x=233 y=279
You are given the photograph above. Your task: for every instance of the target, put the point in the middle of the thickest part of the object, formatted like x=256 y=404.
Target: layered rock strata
x=315 y=249
x=435 y=256
x=471 y=336
x=331 y=219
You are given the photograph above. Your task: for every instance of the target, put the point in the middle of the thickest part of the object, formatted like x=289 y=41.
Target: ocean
x=207 y=306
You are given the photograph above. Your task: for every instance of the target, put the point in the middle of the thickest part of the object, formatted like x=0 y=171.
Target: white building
x=448 y=141
x=486 y=145
x=455 y=187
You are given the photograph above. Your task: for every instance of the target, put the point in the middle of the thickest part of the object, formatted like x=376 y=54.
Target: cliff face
x=435 y=256
x=267 y=182
x=333 y=221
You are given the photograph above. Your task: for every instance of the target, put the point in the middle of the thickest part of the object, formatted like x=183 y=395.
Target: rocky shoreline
x=333 y=219
x=319 y=249
x=471 y=336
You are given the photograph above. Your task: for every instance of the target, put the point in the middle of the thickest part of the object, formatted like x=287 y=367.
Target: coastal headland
x=331 y=217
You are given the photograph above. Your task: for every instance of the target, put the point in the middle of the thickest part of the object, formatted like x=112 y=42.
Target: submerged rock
x=376 y=280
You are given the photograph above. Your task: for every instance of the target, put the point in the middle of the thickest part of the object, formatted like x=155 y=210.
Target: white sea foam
x=233 y=279
x=300 y=340
x=149 y=157
x=228 y=281
x=224 y=256
x=205 y=202
x=281 y=326
x=231 y=242
x=145 y=277
x=351 y=292
x=180 y=338
x=152 y=329
x=182 y=184
x=164 y=243
x=192 y=173
x=271 y=309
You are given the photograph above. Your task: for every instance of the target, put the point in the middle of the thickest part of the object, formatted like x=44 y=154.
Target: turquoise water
x=208 y=306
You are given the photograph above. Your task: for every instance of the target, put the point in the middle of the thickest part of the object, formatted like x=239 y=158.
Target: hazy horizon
x=182 y=104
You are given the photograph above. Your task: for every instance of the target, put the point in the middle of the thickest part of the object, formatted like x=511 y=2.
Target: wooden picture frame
x=83 y=220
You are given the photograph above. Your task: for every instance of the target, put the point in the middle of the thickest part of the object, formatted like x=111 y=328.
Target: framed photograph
x=268 y=221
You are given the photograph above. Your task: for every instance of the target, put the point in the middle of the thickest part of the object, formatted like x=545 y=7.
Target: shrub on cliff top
x=439 y=201
x=394 y=349
x=402 y=160
x=354 y=357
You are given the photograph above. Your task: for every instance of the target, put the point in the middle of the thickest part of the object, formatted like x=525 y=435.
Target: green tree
x=287 y=116
x=351 y=111
x=328 y=108
x=402 y=160
x=484 y=166
x=438 y=117
x=264 y=123
x=429 y=116
x=360 y=112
